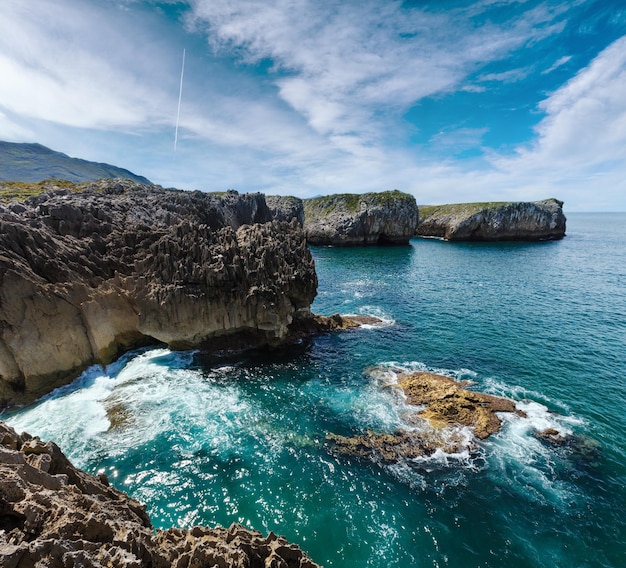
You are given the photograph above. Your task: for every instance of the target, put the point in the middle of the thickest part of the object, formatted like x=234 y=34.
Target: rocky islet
x=507 y=221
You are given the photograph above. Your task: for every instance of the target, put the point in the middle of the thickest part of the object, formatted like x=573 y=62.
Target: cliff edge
x=513 y=221
x=92 y=270
x=347 y=219
x=53 y=514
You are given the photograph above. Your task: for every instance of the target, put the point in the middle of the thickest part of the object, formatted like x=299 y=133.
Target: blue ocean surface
x=207 y=440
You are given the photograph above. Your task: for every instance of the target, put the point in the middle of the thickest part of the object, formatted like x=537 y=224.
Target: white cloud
x=338 y=63
x=558 y=63
x=69 y=63
x=585 y=123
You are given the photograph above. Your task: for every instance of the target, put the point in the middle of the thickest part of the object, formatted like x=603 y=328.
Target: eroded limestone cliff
x=514 y=221
x=53 y=514
x=369 y=219
x=92 y=270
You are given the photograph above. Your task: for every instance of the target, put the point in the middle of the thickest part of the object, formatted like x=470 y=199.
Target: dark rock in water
x=448 y=407
x=369 y=219
x=53 y=514
x=396 y=446
x=517 y=221
x=92 y=270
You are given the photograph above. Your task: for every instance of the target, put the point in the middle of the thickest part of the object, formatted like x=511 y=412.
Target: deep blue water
x=214 y=441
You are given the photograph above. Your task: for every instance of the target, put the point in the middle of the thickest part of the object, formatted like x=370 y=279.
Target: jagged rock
x=369 y=219
x=53 y=514
x=446 y=406
x=286 y=208
x=95 y=269
x=517 y=221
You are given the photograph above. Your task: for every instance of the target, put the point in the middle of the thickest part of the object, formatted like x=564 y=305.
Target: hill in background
x=34 y=162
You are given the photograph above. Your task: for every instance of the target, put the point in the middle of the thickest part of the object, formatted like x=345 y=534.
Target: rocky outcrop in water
x=447 y=407
x=518 y=221
x=369 y=219
x=91 y=271
x=53 y=514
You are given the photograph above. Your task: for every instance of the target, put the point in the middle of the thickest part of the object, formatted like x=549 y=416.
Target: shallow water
x=204 y=440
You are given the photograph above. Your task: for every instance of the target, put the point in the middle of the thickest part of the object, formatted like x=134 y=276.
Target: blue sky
x=449 y=100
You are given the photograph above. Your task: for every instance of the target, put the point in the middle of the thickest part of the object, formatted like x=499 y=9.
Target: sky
x=449 y=100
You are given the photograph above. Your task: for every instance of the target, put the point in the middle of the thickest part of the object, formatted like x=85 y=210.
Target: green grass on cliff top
x=327 y=204
x=21 y=190
x=459 y=208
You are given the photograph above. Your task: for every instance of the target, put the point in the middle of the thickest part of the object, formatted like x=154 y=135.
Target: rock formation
x=447 y=406
x=517 y=221
x=286 y=208
x=92 y=270
x=53 y=514
x=368 y=219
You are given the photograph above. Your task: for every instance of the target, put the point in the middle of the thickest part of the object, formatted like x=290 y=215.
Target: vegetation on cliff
x=493 y=221
x=348 y=219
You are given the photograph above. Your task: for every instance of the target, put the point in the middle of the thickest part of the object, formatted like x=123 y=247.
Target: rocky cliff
x=368 y=219
x=91 y=270
x=53 y=514
x=516 y=221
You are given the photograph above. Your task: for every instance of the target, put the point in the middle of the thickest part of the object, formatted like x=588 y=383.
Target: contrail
x=180 y=96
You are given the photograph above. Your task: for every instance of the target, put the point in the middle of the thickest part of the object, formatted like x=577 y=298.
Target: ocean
x=209 y=440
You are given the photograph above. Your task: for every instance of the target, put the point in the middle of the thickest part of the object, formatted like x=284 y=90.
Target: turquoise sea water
x=210 y=441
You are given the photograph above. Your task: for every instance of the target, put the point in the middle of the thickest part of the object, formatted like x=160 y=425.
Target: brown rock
x=448 y=403
x=448 y=407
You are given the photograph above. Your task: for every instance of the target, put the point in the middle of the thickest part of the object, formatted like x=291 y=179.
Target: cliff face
x=53 y=514
x=369 y=219
x=519 y=221
x=286 y=207
x=85 y=276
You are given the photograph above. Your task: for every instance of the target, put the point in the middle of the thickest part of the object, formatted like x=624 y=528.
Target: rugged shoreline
x=54 y=514
x=88 y=272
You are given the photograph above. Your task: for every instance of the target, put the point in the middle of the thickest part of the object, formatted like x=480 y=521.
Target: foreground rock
x=91 y=271
x=447 y=407
x=531 y=221
x=53 y=514
x=368 y=219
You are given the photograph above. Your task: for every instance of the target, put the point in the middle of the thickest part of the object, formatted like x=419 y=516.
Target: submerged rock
x=369 y=219
x=515 y=221
x=445 y=408
x=53 y=514
x=92 y=270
